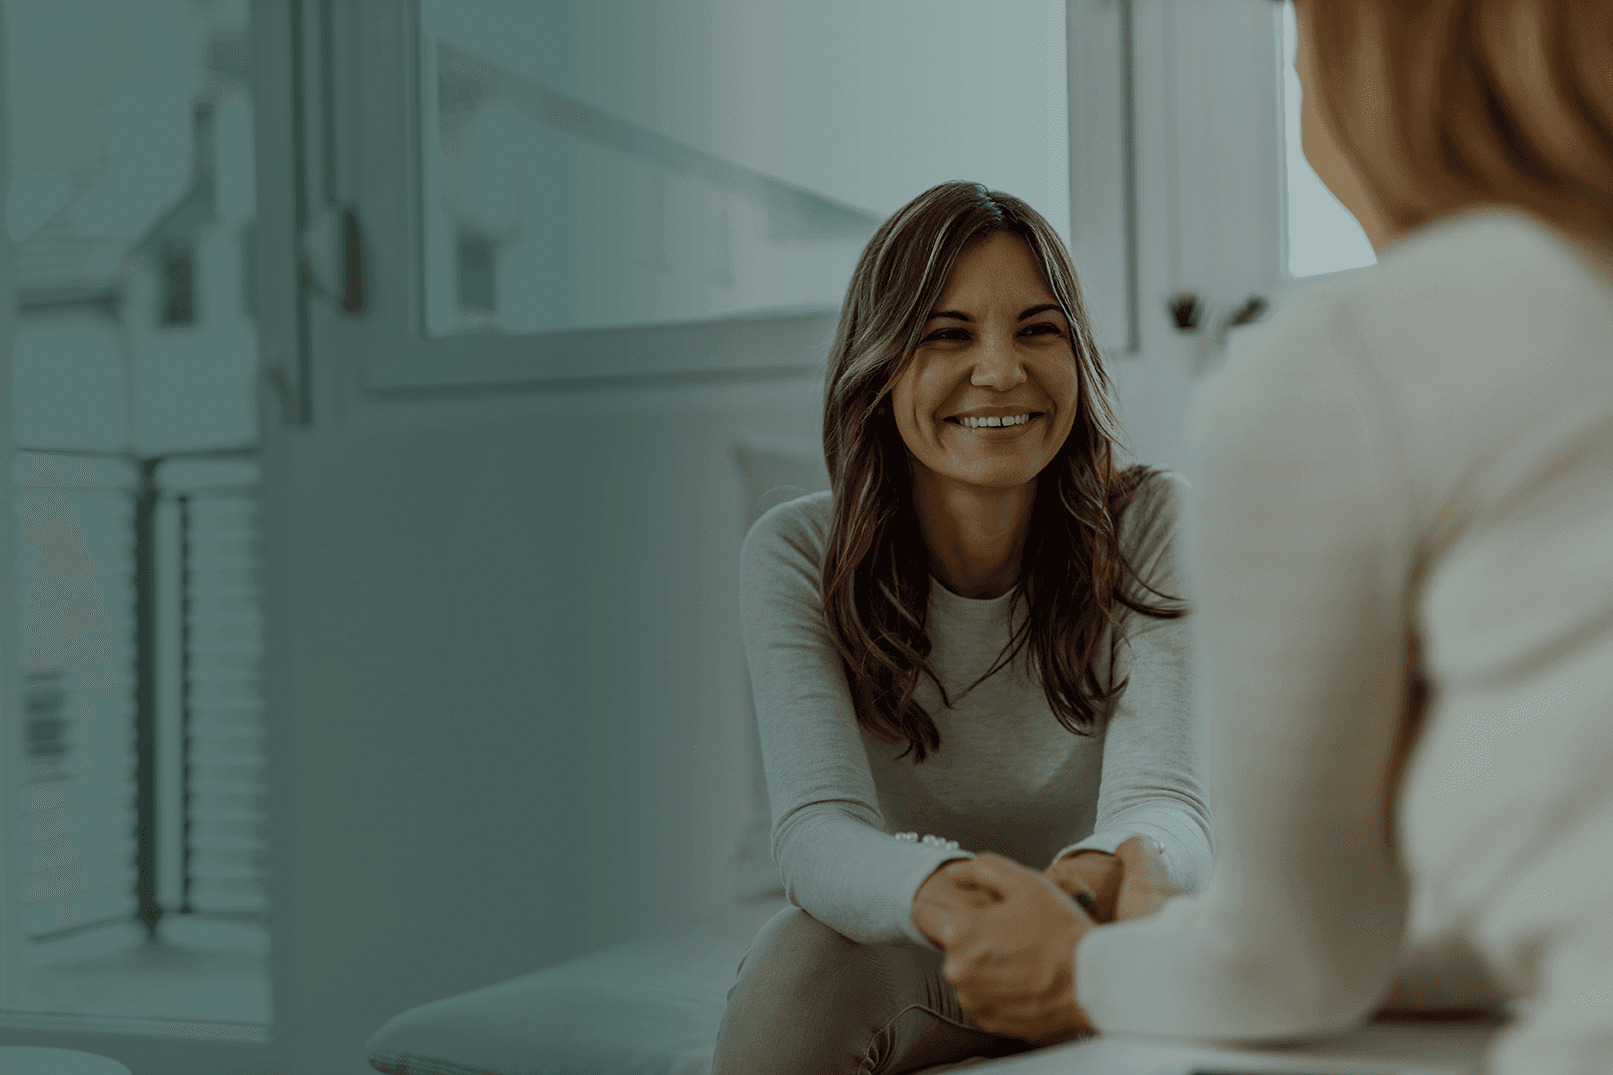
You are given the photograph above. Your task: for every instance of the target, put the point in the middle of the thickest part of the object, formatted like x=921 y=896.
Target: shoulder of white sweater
x=1454 y=303
x=1459 y=275
x=1478 y=256
x=1479 y=264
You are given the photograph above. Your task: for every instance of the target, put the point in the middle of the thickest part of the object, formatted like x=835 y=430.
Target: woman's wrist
x=935 y=876
x=1078 y=852
x=939 y=844
x=934 y=897
x=1158 y=848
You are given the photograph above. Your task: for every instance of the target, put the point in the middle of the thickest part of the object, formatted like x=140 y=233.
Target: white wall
x=509 y=691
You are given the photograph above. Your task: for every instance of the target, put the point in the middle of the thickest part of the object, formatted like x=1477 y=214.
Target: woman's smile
x=998 y=423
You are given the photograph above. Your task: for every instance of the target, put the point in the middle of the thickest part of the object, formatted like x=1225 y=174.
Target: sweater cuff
x=904 y=914
x=1106 y=841
x=1186 y=851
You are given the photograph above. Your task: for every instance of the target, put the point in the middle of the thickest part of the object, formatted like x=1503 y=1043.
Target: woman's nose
x=997 y=366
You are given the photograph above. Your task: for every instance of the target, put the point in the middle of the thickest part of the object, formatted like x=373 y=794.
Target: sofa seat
x=650 y=1006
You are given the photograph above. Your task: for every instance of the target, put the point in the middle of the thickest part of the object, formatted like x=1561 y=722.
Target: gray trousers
x=810 y=1002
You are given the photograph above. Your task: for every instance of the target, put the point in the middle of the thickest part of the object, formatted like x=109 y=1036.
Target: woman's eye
x=960 y=335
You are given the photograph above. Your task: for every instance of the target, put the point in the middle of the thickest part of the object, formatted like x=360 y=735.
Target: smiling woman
x=931 y=329
x=925 y=638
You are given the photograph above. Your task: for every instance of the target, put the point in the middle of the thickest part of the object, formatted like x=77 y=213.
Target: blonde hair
x=1442 y=105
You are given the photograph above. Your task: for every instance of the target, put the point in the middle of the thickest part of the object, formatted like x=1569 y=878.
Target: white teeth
x=1010 y=420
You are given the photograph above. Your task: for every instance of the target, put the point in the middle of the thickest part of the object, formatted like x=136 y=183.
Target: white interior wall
x=512 y=694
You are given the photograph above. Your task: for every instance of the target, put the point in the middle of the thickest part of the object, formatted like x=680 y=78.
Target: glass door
x=134 y=893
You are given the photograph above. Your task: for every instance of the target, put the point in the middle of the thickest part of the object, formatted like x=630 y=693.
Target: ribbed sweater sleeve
x=1152 y=781
x=835 y=857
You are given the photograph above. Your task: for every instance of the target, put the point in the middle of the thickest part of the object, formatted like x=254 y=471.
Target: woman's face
x=996 y=347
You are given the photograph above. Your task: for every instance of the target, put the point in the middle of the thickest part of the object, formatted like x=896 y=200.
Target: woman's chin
x=996 y=475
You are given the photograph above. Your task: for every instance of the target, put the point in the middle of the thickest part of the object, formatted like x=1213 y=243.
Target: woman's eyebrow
x=959 y=316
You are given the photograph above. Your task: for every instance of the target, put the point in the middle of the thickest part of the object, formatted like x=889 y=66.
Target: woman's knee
x=809 y=1000
x=794 y=957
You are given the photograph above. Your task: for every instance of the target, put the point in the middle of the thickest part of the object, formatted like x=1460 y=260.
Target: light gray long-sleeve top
x=1423 y=456
x=1008 y=778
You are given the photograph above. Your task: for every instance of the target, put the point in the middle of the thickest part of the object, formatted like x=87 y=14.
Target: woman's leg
x=810 y=1002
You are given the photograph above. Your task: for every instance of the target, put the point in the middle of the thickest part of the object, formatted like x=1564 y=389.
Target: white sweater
x=1424 y=456
x=1008 y=778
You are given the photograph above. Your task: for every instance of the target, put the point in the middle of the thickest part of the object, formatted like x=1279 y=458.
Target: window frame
x=388 y=352
x=1101 y=51
x=377 y=64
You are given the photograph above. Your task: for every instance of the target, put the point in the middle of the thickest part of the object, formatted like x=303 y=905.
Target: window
x=607 y=163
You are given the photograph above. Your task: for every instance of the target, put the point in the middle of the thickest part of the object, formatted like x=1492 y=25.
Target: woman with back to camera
x=1403 y=583
x=964 y=640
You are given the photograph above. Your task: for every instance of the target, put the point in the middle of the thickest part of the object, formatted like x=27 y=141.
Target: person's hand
x=1092 y=878
x=1113 y=888
x=946 y=900
x=1012 y=960
x=1144 y=884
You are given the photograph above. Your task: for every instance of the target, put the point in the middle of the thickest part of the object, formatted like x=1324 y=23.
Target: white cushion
x=646 y=1007
x=39 y=1060
x=777 y=469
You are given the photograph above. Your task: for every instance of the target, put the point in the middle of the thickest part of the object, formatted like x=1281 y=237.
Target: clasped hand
x=1009 y=932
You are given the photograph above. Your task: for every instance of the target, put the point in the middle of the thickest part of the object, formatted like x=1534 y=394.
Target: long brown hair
x=1443 y=105
x=876 y=577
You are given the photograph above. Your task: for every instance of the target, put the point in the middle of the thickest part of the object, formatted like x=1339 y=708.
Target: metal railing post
x=184 y=702
x=148 y=910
